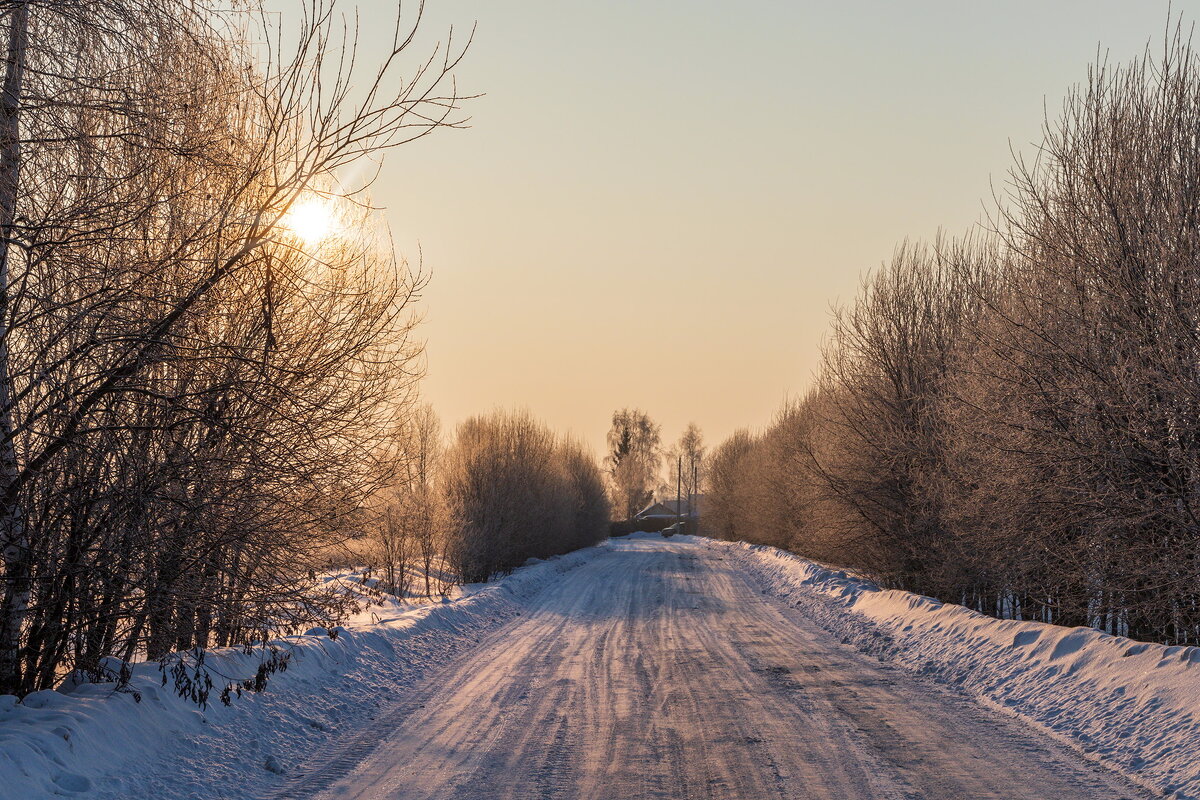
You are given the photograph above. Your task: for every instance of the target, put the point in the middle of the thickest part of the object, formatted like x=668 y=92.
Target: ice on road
x=659 y=670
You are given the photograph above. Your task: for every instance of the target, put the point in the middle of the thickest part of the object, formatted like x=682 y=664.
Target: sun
x=312 y=220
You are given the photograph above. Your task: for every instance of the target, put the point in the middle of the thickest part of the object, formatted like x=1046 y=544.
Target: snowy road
x=658 y=670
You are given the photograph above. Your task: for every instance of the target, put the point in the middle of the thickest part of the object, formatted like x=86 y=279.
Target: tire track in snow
x=658 y=670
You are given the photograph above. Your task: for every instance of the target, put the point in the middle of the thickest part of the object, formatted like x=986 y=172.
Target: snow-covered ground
x=1130 y=705
x=645 y=667
x=365 y=585
x=97 y=743
x=660 y=669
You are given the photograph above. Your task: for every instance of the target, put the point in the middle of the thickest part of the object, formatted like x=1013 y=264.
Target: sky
x=657 y=202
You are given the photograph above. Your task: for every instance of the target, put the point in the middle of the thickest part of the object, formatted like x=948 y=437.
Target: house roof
x=656 y=510
x=669 y=508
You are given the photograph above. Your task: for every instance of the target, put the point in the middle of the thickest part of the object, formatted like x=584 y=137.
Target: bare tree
x=426 y=450
x=1087 y=379
x=516 y=491
x=887 y=369
x=733 y=516
x=407 y=533
x=633 y=460
x=1008 y=421
x=193 y=393
x=686 y=469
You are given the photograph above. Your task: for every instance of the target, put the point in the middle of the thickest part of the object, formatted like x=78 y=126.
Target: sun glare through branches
x=312 y=220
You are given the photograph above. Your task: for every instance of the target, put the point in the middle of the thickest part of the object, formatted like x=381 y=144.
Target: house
x=657 y=511
x=669 y=510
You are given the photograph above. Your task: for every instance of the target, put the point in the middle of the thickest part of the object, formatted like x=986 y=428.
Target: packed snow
x=645 y=667
x=96 y=742
x=1131 y=705
x=660 y=669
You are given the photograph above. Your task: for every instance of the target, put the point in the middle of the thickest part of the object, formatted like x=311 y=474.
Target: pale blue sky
x=657 y=202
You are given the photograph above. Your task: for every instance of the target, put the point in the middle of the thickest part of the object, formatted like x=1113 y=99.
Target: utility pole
x=692 y=512
x=678 y=488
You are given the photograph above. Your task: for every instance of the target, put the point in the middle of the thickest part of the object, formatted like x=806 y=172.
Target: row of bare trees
x=196 y=394
x=514 y=491
x=505 y=489
x=411 y=519
x=1012 y=420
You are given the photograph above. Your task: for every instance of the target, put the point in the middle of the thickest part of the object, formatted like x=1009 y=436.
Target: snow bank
x=1132 y=705
x=98 y=743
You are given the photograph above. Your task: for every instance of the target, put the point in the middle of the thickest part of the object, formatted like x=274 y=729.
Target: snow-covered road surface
x=659 y=670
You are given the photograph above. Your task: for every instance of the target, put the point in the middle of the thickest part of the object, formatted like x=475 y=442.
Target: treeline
x=505 y=489
x=197 y=393
x=517 y=491
x=1012 y=420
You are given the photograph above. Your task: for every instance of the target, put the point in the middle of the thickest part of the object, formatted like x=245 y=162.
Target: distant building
x=664 y=510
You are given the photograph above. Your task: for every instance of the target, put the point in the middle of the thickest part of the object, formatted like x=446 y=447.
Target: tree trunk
x=14 y=538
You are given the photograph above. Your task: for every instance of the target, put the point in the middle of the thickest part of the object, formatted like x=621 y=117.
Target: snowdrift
x=1131 y=705
x=94 y=742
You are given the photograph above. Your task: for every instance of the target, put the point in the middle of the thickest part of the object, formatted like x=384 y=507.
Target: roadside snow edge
x=1131 y=705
